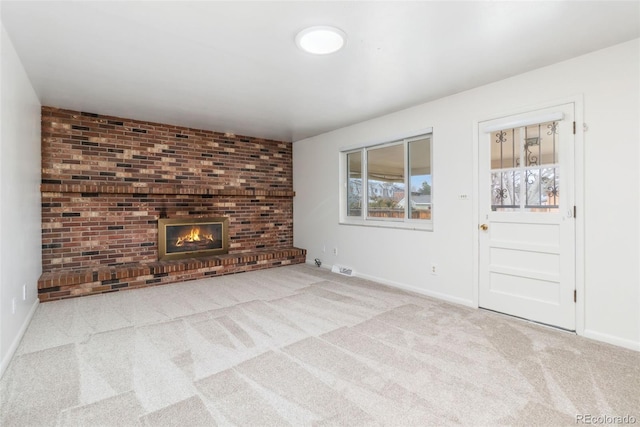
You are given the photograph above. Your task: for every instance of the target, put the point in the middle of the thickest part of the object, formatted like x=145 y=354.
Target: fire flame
x=194 y=236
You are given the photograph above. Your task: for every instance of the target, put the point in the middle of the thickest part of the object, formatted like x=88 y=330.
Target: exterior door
x=526 y=216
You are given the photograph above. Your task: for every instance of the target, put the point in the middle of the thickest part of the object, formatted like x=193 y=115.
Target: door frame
x=578 y=101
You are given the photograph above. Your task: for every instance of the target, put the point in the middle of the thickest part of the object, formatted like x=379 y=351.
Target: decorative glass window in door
x=525 y=169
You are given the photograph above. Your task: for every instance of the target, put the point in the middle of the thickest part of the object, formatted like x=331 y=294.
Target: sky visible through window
x=417 y=180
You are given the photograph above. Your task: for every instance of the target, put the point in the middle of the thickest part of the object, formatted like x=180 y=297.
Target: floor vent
x=346 y=271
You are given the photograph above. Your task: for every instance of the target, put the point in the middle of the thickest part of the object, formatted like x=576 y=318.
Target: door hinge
x=574 y=128
x=574 y=211
x=575 y=295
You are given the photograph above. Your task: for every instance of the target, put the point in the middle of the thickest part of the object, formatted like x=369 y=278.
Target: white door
x=526 y=216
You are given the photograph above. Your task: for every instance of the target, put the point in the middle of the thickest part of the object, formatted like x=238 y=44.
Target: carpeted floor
x=299 y=345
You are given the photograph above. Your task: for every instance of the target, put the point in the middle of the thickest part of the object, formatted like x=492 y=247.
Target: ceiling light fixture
x=321 y=40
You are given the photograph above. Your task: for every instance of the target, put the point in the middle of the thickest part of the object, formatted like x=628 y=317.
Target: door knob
x=484 y=227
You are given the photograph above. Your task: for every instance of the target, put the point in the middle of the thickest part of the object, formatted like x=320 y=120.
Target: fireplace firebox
x=192 y=237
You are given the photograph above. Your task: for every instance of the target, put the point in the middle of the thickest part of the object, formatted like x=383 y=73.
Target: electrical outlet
x=335 y=251
x=434 y=269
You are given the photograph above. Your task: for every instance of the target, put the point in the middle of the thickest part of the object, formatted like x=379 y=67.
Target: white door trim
x=578 y=101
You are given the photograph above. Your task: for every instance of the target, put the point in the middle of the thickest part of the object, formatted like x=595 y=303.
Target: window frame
x=363 y=219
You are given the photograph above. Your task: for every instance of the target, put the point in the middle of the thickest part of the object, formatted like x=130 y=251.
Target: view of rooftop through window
x=398 y=180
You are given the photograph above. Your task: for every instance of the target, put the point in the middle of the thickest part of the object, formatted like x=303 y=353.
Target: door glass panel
x=543 y=192
x=541 y=144
x=552 y=186
x=505 y=150
x=529 y=154
x=505 y=191
x=533 y=192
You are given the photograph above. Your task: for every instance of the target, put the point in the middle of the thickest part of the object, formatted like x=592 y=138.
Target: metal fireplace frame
x=162 y=237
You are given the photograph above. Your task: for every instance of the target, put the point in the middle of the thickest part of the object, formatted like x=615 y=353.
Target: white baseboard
x=16 y=341
x=611 y=339
x=425 y=292
x=405 y=287
x=598 y=336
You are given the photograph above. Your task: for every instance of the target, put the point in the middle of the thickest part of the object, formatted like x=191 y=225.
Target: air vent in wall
x=346 y=271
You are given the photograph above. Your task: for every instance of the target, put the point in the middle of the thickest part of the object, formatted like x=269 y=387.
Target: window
x=385 y=171
x=388 y=184
x=420 y=178
x=354 y=194
x=525 y=169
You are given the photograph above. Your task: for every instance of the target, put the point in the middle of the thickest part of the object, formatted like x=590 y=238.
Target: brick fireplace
x=107 y=181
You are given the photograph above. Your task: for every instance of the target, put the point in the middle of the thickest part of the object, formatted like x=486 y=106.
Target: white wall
x=608 y=83
x=20 y=236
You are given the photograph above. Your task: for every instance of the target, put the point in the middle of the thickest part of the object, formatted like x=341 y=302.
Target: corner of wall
x=8 y=355
x=20 y=264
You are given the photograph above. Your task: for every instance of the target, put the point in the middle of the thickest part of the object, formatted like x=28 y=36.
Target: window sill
x=415 y=226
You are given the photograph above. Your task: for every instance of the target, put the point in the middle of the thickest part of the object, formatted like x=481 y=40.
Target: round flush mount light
x=321 y=40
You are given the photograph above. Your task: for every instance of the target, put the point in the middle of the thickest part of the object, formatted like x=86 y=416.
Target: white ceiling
x=234 y=66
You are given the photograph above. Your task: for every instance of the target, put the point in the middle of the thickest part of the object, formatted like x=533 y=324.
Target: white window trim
x=399 y=223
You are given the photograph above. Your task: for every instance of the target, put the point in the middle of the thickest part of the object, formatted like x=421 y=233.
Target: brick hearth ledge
x=69 y=283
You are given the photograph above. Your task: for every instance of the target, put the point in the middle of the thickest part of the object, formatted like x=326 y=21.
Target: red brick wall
x=107 y=180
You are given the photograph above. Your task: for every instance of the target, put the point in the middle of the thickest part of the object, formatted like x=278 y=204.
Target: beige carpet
x=299 y=345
